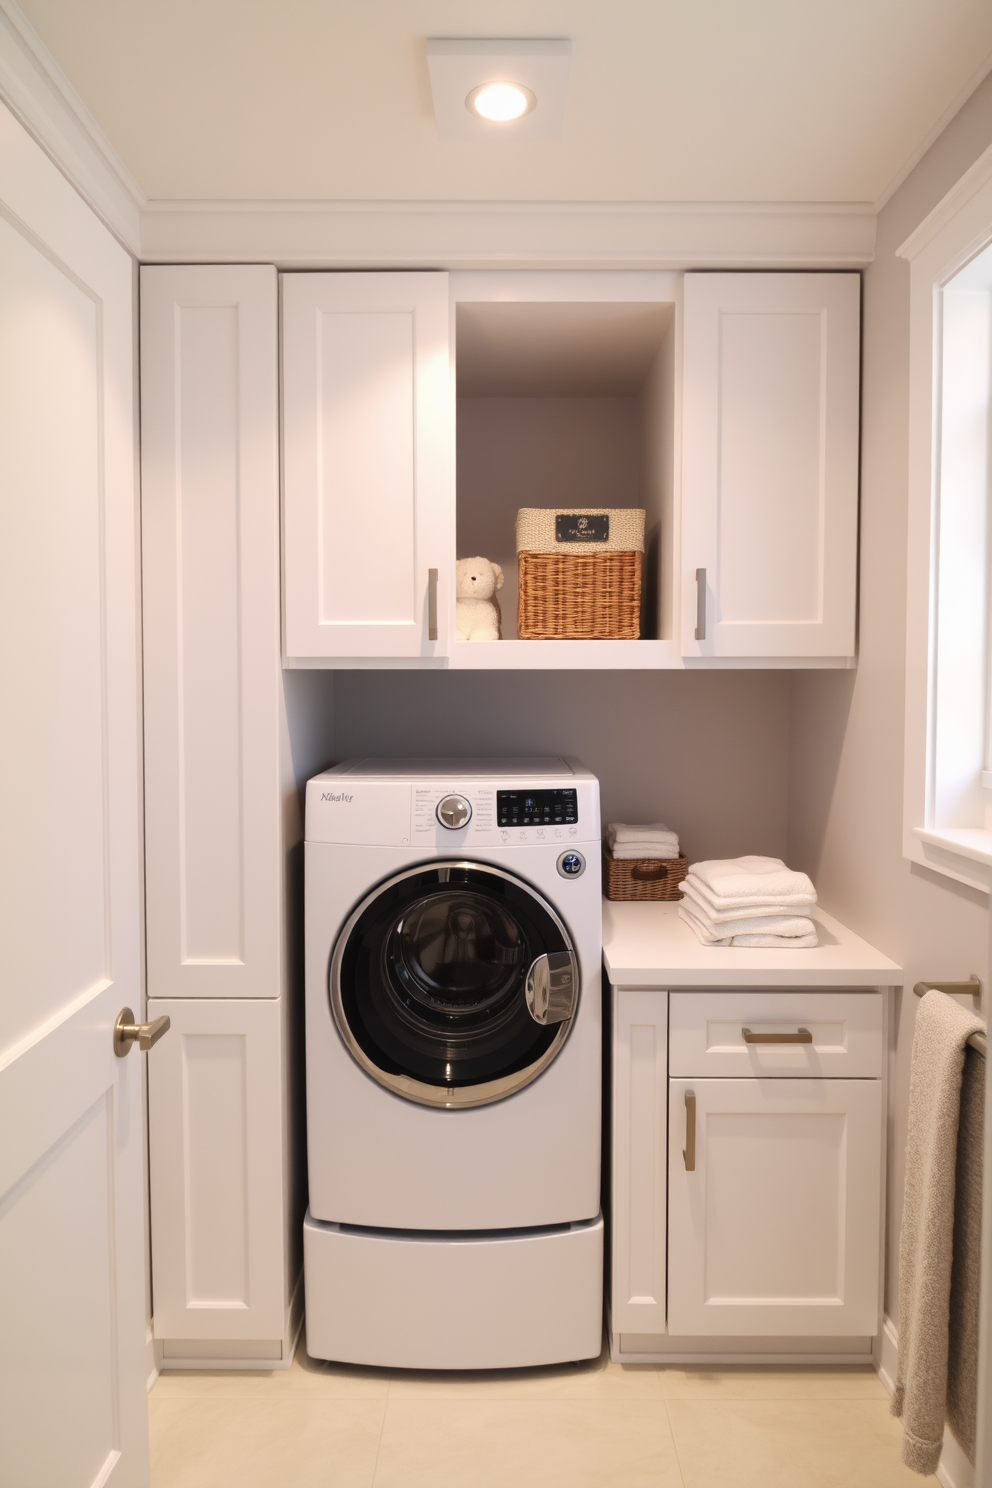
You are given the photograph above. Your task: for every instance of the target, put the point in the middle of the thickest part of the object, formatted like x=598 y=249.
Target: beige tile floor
x=579 y=1426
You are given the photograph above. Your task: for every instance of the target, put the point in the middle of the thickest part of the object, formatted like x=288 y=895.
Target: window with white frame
x=948 y=782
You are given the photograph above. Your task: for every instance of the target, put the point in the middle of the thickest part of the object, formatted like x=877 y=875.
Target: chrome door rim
x=419 y=1091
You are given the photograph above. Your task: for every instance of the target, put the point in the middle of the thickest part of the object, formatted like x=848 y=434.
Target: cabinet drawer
x=706 y=1034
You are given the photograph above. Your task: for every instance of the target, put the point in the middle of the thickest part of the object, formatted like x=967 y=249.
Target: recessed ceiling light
x=488 y=87
x=501 y=102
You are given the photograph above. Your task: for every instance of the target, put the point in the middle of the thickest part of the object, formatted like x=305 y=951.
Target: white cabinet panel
x=212 y=665
x=217 y=1171
x=707 y=1034
x=368 y=463
x=776 y=1230
x=640 y=1073
x=770 y=464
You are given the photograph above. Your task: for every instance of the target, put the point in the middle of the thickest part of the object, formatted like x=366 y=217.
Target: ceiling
x=670 y=100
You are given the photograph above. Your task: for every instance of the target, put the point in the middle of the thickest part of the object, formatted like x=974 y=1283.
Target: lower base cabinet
x=747 y=1173
x=774 y=1228
x=226 y=1206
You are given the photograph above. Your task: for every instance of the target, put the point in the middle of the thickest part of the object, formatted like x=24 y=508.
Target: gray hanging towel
x=927 y=1240
x=962 y=1353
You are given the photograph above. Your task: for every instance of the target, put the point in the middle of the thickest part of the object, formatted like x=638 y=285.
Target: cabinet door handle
x=700 y=604
x=689 y=1150
x=432 y=604
x=801 y=1036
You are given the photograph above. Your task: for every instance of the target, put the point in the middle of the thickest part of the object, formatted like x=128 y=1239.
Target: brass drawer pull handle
x=689 y=1150
x=801 y=1036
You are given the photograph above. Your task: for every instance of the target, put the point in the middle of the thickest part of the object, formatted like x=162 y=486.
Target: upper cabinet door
x=368 y=464
x=770 y=465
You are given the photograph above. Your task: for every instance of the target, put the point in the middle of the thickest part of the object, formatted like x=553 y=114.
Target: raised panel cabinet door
x=368 y=464
x=211 y=635
x=774 y=1205
x=770 y=465
x=73 y=1360
x=216 y=1167
x=640 y=1075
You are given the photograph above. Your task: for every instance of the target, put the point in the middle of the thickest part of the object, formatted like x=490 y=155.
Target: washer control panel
x=537 y=808
x=454 y=812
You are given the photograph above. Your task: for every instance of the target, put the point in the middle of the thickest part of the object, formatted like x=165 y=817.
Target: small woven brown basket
x=579 y=596
x=643 y=878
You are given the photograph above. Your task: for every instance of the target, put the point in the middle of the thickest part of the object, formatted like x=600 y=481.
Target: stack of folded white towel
x=655 y=841
x=749 y=902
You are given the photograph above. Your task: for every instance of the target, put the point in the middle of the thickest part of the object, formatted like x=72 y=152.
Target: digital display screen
x=536 y=808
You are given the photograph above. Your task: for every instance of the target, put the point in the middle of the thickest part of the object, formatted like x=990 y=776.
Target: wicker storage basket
x=579 y=574
x=643 y=878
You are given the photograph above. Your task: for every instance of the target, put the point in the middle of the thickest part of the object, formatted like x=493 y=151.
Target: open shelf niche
x=567 y=404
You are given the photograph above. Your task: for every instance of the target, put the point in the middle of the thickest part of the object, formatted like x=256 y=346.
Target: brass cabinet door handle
x=801 y=1036
x=432 y=604
x=127 y=1032
x=689 y=1150
x=700 y=604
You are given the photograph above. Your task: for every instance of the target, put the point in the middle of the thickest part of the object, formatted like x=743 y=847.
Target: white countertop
x=648 y=945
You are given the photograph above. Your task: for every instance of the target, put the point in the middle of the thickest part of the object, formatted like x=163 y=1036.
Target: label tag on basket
x=578 y=527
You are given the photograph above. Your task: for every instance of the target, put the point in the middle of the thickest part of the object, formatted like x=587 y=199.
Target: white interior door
x=770 y=413
x=73 y=1409
x=368 y=464
x=774 y=1207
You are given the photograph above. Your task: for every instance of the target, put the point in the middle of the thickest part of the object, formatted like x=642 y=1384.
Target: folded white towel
x=703 y=907
x=787 y=925
x=621 y=832
x=702 y=934
x=737 y=883
x=782 y=942
x=644 y=850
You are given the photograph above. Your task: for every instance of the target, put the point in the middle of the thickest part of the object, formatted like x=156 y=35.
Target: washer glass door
x=439 y=983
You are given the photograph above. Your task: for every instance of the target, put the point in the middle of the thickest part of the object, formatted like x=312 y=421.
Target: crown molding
x=40 y=96
x=522 y=234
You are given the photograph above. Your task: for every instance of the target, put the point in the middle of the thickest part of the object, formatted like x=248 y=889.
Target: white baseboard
x=954 y=1470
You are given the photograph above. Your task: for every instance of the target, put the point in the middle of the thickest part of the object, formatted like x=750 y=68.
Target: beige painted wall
x=846 y=750
x=705 y=752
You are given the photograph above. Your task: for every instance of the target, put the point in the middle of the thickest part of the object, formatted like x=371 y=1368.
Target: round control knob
x=571 y=864
x=453 y=812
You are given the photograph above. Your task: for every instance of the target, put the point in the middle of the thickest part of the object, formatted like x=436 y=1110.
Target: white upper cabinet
x=368 y=465
x=770 y=465
x=212 y=669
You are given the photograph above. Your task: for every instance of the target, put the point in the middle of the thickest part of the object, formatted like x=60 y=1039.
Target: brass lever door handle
x=801 y=1036
x=127 y=1032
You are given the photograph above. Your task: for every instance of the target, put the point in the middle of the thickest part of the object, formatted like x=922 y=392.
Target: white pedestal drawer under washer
x=453 y=1038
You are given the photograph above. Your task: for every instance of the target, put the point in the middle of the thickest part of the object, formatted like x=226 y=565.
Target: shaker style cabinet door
x=368 y=465
x=640 y=1080
x=770 y=465
x=774 y=1207
x=221 y=1260
x=210 y=616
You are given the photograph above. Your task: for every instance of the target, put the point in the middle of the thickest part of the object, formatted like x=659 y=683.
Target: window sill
x=962 y=853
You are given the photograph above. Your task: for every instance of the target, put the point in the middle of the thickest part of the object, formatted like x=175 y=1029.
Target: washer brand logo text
x=330 y=796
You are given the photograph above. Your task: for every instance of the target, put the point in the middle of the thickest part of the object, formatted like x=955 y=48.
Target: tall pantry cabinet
x=221 y=818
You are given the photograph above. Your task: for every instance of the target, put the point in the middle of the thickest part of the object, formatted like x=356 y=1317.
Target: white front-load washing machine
x=453 y=1043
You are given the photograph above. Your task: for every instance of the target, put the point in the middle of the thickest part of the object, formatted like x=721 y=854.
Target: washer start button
x=571 y=864
x=453 y=812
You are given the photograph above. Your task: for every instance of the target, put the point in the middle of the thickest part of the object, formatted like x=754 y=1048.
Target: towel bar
x=978 y=1041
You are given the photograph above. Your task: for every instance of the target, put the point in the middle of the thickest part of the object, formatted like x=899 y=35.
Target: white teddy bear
x=477 y=616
